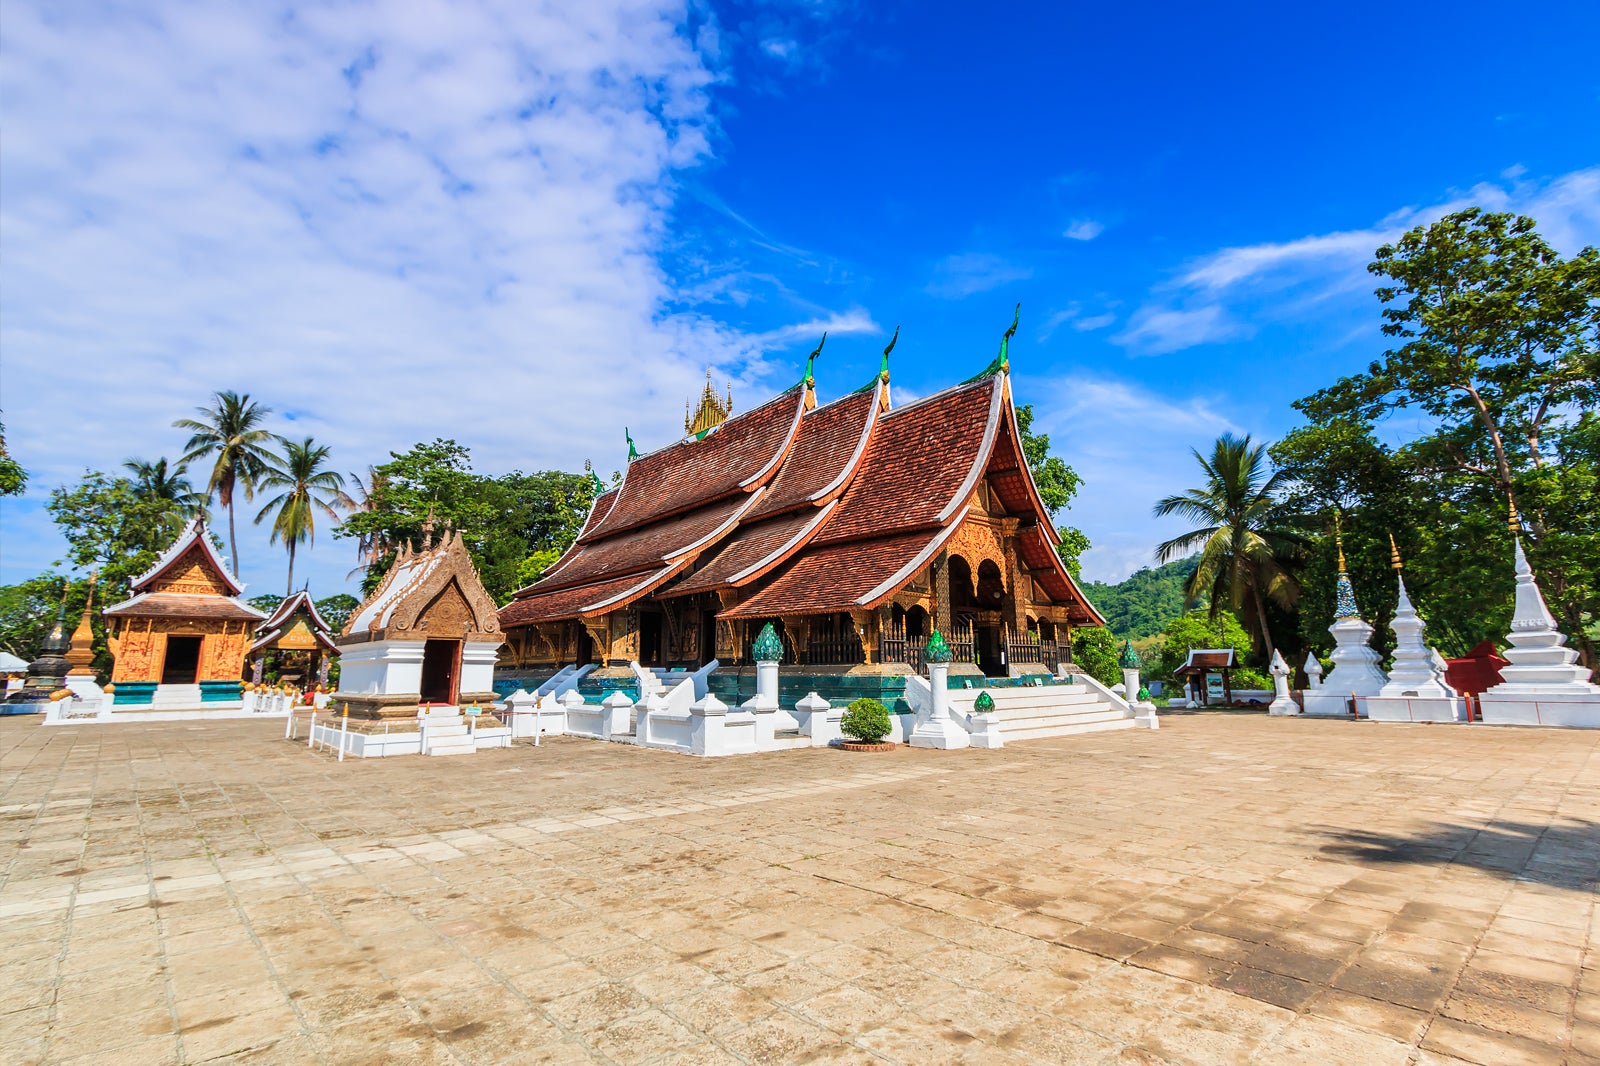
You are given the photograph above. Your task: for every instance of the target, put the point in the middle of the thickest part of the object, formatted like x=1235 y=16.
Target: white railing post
x=344 y=731
x=312 y=735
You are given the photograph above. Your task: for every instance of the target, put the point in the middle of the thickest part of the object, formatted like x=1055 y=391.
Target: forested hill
x=1146 y=601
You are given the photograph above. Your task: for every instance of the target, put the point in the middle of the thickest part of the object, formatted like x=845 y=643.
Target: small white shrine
x=1544 y=685
x=1356 y=673
x=1416 y=690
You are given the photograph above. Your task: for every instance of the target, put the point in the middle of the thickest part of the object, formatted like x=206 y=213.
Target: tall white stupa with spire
x=1544 y=685
x=1355 y=671
x=1416 y=690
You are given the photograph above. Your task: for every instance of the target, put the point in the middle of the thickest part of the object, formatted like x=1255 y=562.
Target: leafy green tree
x=27 y=610
x=1095 y=652
x=1495 y=345
x=533 y=567
x=505 y=521
x=230 y=432
x=1244 y=553
x=1057 y=483
x=1195 y=630
x=337 y=609
x=13 y=479
x=267 y=602
x=309 y=486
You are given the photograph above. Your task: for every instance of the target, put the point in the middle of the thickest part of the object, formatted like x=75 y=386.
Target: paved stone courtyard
x=1232 y=888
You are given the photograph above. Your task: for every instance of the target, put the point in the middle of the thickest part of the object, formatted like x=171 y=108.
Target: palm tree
x=155 y=483
x=1240 y=554
x=367 y=496
x=302 y=476
x=231 y=430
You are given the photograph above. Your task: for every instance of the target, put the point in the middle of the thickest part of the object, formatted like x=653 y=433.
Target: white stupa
x=1544 y=685
x=1416 y=690
x=1355 y=669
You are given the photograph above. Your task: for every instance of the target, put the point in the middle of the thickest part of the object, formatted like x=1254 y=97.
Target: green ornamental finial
x=633 y=452
x=984 y=704
x=767 y=648
x=883 y=367
x=1130 y=658
x=1005 y=342
x=937 y=650
x=810 y=379
x=598 y=485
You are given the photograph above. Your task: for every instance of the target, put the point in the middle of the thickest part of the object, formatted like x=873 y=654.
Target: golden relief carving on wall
x=976 y=541
x=140 y=658
x=447 y=615
x=195 y=578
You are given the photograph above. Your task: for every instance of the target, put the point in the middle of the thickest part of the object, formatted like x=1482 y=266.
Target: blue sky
x=526 y=227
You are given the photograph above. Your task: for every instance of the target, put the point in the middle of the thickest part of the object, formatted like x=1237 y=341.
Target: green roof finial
x=599 y=486
x=883 y=367
x=1002 y=362
x=633 y=453
x=810 y=380
x=767 y=647
x=937 y=651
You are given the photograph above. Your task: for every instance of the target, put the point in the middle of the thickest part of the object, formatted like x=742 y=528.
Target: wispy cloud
x=1094 y=322
x=1084 y=229
x=963 y=275
x=403 y=220
x=1211 y=298
x=1157 y=330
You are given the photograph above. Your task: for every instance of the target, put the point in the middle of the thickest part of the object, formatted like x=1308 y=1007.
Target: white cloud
x=1094 y=322
x=963 y=275
x=1157 y=330
x=1084 y=229
x=1131 y=446
x=391 y=220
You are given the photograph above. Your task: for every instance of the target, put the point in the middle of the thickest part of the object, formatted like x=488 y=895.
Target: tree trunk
x=289 y=591
x=233 y=541
x=1261 y=615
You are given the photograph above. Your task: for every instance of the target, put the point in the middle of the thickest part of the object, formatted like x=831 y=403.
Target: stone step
x=1023 y=725
x=463 y=747
x=1068 y=729
x=1066 y=701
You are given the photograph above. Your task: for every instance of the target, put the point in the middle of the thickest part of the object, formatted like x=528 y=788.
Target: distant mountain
x=1144 y=603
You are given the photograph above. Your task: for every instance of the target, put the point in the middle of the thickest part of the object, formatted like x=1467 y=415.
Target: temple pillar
x=940 y=573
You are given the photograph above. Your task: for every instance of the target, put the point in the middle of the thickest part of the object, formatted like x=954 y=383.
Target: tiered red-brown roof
x=671 y=505
x=188 y=580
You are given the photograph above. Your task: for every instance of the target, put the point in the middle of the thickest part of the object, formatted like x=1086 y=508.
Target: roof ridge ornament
x=633 y=452
x=810 y=378
x=711 y=413
x=1002 y=361
x=598 y=485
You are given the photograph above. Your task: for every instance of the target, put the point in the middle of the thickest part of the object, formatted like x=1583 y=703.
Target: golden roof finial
x=1513 y=521
x=711 y=413
x=1394 y=553
x=1338 y=538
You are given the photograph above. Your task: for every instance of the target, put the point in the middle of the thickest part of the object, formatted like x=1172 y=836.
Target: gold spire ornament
x=81 y=654
x=1338 y=539
x=711 y=413
x=1394 y=553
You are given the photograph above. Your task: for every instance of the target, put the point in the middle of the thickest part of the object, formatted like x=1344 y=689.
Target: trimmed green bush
x=865 y=720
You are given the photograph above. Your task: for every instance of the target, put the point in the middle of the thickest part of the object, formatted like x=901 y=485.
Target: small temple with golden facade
x=856 y=528
x=179 y=641
x=298 y=642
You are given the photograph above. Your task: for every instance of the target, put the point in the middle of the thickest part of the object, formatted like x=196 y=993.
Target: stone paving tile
x=1228 y=889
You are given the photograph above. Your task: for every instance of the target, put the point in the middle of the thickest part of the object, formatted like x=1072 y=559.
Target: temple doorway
x=585 y=648
x=440 y=661
x=991 y=659
x=181 y=666
x=650 y=639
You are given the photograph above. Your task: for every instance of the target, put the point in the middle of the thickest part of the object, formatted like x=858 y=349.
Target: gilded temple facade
x=854 y=527
x=181 y=638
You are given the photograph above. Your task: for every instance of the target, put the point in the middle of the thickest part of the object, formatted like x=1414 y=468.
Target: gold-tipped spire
x=1338 y=539
x=1513 y=521
x=81 y=653
x=711 y=413
x=1394 y=553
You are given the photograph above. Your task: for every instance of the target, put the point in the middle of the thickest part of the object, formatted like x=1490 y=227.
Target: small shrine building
x=854 y=527
x=427 y=636
x=298 y=643
x=180 y=639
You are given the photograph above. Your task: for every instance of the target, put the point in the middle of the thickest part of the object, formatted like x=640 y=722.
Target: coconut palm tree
x=230 y=429
x=156 y=483
x=1240 y=553
x=308 y=487
x=367 y=495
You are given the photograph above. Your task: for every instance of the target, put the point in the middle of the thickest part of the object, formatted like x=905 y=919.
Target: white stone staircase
x=446 y=734
x=1035 y=712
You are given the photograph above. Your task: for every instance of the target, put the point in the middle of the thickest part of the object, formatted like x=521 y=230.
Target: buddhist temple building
x=856 y=528
x=427 y=636
x=180 y=640
x=295 y=642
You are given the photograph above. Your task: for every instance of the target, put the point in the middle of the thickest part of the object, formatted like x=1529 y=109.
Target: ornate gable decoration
x=432 y=594
x=190 y=567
